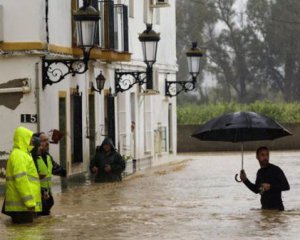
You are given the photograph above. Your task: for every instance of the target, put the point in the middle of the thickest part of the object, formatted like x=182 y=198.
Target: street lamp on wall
x=194 y=55
x=86 y=19
x=125 y=80
x=100 y=81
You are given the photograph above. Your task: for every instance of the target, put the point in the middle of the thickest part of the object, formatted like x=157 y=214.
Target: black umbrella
x=241 y=127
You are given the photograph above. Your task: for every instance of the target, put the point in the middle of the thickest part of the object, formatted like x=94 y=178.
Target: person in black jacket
x=270 y=181
x=107 y=164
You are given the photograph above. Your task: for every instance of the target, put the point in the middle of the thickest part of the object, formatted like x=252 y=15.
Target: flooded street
x=192 y=199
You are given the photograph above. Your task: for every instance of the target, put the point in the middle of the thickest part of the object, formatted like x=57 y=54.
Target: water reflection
x=196 y=199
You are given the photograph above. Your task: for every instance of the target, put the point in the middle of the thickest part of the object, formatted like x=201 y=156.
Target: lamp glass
x=100 y=81
x=86 y=33
x=149 y=39
x=150 y=52
x=194 y=65
x=87 y=20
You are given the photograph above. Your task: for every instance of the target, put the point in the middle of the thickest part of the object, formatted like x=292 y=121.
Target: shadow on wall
x=186 y=143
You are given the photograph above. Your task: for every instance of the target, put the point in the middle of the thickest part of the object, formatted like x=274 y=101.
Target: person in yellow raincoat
x=23 y=192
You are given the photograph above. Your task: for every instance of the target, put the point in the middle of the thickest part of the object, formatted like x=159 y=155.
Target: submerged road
x=192 y=199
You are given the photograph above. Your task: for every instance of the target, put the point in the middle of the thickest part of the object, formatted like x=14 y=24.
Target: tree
x=253 y=54
x=192 y=16
x=277 y=31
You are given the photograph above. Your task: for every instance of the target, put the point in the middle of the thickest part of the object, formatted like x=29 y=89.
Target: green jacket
x=22 y=180
x=45 y=170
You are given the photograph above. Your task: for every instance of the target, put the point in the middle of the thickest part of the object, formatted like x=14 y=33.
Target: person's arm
x=253 y=187
x=57 y=169
x=283 y=184
x=96 y=164
x=119 y=164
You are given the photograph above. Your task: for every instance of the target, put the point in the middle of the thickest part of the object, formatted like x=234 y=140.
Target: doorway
x=77 y=146
x=110 y=128
x=92 y=125
x=170 y=120
x=62 y=119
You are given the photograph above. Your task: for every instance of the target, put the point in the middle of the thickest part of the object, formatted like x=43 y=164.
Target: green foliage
x=199 y=114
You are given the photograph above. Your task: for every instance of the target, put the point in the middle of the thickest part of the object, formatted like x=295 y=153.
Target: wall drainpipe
x=37 y=96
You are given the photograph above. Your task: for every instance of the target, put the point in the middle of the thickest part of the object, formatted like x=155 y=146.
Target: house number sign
x=29 y=118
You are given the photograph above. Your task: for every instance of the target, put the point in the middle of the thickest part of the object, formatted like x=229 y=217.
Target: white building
x=33 y=30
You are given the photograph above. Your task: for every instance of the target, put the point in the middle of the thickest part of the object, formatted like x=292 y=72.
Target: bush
x=199 y=114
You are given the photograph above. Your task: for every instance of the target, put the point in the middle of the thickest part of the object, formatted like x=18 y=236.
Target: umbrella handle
x=236 y=178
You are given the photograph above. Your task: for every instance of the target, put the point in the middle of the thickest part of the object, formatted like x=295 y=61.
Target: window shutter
x=125 y=28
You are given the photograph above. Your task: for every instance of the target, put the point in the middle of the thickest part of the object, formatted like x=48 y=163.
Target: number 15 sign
x=29 y=118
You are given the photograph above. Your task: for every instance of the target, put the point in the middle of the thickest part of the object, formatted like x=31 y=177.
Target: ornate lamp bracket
x=126 y=80
x=173 y=88
x=55 y=70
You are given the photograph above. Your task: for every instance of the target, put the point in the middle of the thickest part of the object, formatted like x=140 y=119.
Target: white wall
x=24 y=21
x=166 y=63
x=60 y=20
x=16 y=68
x=30 y=26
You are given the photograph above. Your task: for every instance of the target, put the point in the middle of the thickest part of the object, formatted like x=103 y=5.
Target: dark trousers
x=19 y=217
x=22 y=217
x=47 y=202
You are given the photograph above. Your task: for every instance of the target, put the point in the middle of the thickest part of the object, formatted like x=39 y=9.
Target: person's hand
x=95 y=170
x=243 y=175
x=107 y=168
x=46 y=195
x=266 y=186
x=31 y=209
x=63 y=173
x=42 y=176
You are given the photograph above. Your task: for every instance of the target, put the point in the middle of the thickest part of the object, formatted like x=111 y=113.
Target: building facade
x=35 y=33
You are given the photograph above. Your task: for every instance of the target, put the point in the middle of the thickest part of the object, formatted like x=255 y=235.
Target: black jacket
x=114 y=159
x=275 y=177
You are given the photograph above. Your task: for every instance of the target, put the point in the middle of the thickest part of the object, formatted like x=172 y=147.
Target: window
x=121 y=28
x=163 y=138
x=74 y=7
x=107 y=24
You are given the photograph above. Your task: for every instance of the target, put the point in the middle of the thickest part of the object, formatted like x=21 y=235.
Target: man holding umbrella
x=240 y=127
x=270 y=181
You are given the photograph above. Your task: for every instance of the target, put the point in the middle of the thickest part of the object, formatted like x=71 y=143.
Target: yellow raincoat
x=22 y=180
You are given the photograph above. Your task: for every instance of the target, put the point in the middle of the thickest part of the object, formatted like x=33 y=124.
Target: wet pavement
x=192 y=199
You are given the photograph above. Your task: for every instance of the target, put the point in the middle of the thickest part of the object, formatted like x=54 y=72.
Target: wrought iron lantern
x=125 y=80
x=100 y=81
x=86 y=19
x=194 y=55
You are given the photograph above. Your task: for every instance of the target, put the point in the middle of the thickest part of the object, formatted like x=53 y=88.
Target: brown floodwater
x=193 y=199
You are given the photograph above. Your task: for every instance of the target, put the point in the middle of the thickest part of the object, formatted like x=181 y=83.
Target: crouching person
x=23 y=193
x=46 y=167
x=107 y=164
